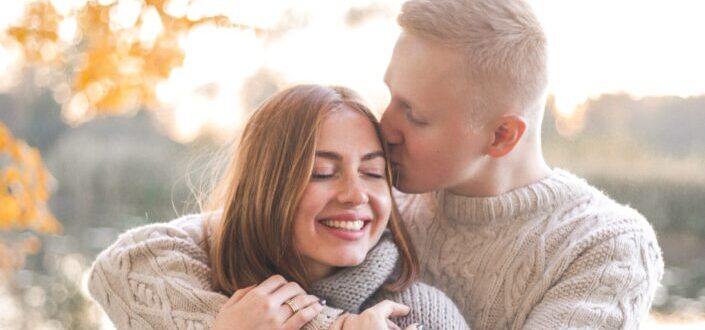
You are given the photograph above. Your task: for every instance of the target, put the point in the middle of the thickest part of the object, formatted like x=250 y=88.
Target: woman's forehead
x=347 y=130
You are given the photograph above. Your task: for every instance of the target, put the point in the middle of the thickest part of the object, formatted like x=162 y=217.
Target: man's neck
x=504 y=175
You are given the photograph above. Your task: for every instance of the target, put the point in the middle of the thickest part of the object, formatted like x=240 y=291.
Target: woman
x=306 y=207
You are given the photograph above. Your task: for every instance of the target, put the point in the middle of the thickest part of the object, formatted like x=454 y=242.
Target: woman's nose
x=352 y=192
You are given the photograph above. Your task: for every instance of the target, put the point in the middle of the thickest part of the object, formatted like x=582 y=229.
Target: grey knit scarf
x=350 y=288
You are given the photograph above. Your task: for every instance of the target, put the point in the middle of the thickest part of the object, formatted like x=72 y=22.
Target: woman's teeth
x=346 y=225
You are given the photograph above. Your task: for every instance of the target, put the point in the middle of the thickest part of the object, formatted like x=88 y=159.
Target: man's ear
x=507 y=132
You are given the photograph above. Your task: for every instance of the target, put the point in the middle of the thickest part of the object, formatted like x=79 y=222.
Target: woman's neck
x=317 y=271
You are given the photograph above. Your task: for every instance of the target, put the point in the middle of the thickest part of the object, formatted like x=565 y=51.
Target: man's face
x=427 y=123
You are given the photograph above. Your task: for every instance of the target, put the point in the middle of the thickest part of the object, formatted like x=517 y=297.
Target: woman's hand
x=265 y=307
x=374 y=318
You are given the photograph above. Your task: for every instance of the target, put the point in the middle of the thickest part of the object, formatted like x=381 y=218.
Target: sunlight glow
x=643 y=48
x=205 y=92
x=68 y=29
x=125 y=14
x=151 y=27
x=596 y=47
x=11 y=60
x=64 y=7
x=332 y=53
x=10 y=12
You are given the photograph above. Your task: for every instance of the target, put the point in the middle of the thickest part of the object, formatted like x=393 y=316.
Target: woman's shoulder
x=429 y=306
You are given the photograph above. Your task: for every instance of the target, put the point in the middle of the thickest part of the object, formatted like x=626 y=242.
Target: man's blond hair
x=503 y=43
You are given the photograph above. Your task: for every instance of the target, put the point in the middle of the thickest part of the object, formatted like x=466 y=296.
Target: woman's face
x=347 y=203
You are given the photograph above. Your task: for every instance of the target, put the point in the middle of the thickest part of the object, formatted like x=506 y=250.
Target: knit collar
x=349 y=288
x=558 y=188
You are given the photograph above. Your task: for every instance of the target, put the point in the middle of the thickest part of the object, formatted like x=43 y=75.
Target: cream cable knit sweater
x=557 y=254
x=157 y=277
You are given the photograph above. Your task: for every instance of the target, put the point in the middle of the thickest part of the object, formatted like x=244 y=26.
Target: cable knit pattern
x=557 y=254
x=157 y=277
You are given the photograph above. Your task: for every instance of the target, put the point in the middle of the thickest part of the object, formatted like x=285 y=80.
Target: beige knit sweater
x=557 y=254
x=156 y=277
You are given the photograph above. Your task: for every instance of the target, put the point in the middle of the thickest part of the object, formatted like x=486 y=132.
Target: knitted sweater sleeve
x=158 y=277
x=609 y=284
x=429 y=307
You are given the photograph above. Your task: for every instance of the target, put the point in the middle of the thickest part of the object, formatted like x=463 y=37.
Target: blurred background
x=110 y=111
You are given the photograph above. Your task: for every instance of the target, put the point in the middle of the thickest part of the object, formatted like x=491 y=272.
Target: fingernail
x=419 y=327
x=322 y=302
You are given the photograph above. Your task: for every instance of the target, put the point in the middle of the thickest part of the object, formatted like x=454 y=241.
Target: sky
x=639 y=47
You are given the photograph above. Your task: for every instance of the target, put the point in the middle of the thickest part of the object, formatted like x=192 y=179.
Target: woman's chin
x=349 y=260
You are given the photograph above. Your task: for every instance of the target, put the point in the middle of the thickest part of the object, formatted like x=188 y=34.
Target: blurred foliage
x=115 y=62
x=117 y=58
x=24 y=192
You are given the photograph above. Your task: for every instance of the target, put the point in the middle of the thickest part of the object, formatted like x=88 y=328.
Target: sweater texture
x=556 y=254
x=157 y=277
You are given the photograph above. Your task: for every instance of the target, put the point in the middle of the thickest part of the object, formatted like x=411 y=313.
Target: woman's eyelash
x=321 y=176
x=375 y=175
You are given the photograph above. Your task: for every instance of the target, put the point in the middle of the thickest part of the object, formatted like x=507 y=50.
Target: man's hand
x=267 y=306
x=374 y=318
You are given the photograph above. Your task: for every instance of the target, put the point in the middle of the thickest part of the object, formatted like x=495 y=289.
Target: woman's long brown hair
x=262 y=187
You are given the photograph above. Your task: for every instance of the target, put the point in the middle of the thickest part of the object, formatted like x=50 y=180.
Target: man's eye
x=413 y=120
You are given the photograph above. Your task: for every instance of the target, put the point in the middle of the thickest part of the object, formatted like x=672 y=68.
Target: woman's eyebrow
x=335 y=156
x=328 y=154
x=373 y=155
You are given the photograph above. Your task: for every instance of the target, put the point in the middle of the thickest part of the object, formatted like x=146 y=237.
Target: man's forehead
x=422 y=60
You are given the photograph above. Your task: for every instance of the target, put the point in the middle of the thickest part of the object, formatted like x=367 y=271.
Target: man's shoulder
x=600 y=204
x=602 y=217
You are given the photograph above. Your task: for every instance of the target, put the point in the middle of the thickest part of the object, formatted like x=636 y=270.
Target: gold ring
x=294 y=307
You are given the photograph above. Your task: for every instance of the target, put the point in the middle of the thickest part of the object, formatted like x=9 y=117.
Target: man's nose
x=389 y=123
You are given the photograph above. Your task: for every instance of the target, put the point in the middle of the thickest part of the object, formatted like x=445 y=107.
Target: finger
x=303 y=316
x=339 y=322
x=287 y=291
x=300 y=302
x=238 y=295
x=392 y=326
x=271 y=284
x=414 y=327
x=388 y=308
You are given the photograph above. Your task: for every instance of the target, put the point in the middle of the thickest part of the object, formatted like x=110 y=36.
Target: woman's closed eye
x=322 y=174
x=374 y=173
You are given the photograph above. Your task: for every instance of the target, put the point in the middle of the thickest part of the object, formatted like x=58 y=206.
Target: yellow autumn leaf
x=10 y=212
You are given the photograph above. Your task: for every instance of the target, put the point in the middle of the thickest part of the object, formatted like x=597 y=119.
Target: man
x=514 y=243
